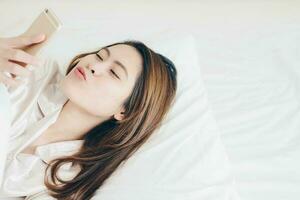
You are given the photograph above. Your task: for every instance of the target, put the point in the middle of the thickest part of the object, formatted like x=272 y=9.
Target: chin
x=68 y=90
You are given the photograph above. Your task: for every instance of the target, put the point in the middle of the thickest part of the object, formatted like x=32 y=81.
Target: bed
x=246 y=142
x=250 y=62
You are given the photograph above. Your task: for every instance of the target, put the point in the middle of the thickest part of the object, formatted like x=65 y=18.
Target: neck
x=73 y=122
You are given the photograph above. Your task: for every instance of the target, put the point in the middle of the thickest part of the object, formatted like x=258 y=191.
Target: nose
x=89 y=68
x=98 y=68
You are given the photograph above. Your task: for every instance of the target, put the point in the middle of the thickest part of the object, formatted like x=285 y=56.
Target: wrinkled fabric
x=35 y=105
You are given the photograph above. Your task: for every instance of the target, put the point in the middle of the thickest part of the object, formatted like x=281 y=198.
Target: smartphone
x=46 y=22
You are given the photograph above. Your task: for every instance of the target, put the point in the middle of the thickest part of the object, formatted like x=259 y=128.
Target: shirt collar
x=51 y=151
x=51 y=100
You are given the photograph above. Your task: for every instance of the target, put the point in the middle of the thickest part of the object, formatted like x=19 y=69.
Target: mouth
x=82 y=72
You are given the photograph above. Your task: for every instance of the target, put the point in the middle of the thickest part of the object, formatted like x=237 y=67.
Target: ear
x=120 y=115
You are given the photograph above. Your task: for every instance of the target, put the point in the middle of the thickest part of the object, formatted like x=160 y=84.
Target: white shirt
x=35 y=106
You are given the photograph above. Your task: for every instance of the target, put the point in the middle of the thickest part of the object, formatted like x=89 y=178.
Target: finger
x=16 y=69
x=31 y=67
x=9 y=81
x=23 y=41
x=19 y=63
x=20 y=56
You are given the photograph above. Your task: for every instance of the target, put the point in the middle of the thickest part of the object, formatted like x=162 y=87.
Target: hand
x=13 y=59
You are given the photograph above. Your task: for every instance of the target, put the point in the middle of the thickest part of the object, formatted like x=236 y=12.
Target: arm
x=13 y=61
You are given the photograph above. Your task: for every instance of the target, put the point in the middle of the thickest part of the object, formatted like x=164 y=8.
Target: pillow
x=185 y=158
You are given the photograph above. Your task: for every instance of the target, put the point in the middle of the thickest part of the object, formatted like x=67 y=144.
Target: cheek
x=101 y=98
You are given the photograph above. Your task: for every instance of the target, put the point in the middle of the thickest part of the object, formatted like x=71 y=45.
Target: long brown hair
x=112 y=142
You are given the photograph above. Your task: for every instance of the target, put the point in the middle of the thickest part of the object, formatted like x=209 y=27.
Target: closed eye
x=98 y=56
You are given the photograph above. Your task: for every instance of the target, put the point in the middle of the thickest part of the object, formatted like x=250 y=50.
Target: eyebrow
x=116 y=61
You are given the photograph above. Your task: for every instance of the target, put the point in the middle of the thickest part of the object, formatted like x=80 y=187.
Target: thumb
x=22 y=41
x=37 y=38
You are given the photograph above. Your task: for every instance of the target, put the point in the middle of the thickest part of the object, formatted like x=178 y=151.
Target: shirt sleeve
x=22 y=98
x=5 y=119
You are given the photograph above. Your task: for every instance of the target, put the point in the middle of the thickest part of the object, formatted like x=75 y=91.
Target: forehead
x=128 y=56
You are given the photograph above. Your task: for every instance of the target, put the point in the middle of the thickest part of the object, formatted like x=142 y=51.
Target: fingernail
x=39 y=35
x=42 y=35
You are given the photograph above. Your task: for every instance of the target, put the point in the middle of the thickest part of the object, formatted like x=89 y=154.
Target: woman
x=117 y=97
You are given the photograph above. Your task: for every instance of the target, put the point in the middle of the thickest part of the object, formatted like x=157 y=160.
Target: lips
x=81 y=70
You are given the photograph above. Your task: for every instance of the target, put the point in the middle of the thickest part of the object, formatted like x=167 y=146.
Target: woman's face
x=107 y=83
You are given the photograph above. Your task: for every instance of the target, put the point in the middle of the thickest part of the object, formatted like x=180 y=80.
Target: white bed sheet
x=250 y=60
